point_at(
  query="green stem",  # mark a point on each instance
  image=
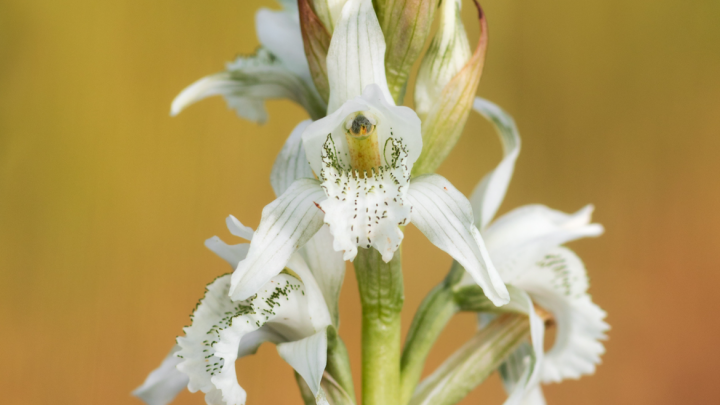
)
(381, 296)
(473, 362)
(433, 314)
(338, 363)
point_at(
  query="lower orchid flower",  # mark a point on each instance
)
(525, 246)
(289, 311)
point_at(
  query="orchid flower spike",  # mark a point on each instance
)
(363, 152)
(289, 311)
(543, 276)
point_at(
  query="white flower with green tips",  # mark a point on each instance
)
(363, 152)
(525, 246)
(278, 69)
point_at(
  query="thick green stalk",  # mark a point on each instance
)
(381, 296)
(433, 314)
(338, 363)
(473, 362)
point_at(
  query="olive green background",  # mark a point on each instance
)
(105, 200)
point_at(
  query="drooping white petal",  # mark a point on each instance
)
(558, 282)
(521, 372)
(356, 57)
(238, 229)
(248, 82)
(444, 215)
(164, 383)
(327, 266)
(490, 192)
(397, 122)
(291, 163)
(286, 224)
(366, 211)
(224, 330)
(279, 32)
(233, 254)
(519, 238)
(308, 357)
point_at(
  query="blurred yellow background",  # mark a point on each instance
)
(105, 200)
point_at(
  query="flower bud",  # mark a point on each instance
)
(446, 86)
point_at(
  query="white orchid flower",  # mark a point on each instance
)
(363, 152)
(278, 69)
(289, 310)
(313, 286)
(524, 245)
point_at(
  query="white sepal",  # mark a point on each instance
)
(444, 215)
(519, 238)
(490, 192)
(291, 163)
(356, 57)
(286, 224)
(233, 254)
(164, 383)
(308, 357)
(328, 268)
(558, 282)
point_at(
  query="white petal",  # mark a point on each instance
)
(489, 194)
(356, 57)
(281, 305)
(366, 211)
(559, 284)
(444, 215)
(314, 296)
(308, 357)
(291, 163)
(233, 254)
(400, 123)
(238, 229)
(279, 32)
(248, 82)
(222, 330)
(286, 224)
(519, 238)
(522, 370)
(327, 266)
(164, 383)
